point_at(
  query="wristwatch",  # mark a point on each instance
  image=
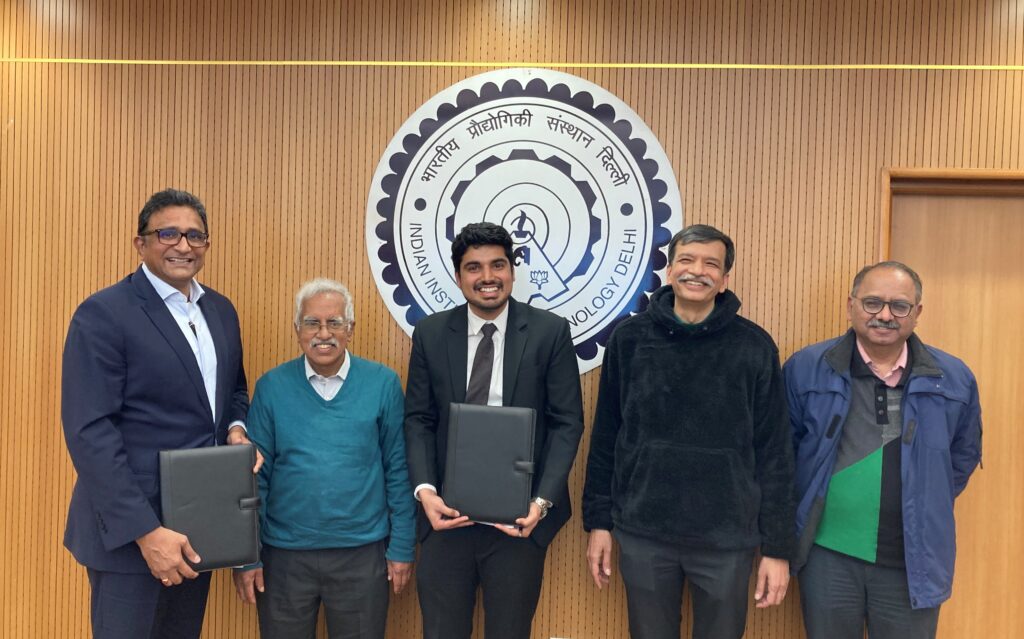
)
(544, 505)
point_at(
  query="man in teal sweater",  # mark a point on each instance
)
(337, 522)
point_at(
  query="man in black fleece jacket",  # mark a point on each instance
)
(690, 465)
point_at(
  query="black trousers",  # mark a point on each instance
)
(654, 573)
(137, 606)
(453, 563)
(351, 583)
(840, 594)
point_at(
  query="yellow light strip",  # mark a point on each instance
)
(518, 65)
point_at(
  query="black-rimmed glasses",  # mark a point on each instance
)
(334, 325)
(171, 237)
(874, 305)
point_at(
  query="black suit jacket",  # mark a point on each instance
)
(540, 372)
(130, 388)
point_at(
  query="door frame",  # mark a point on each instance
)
(941, 181)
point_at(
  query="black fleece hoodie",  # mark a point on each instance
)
(691, 441)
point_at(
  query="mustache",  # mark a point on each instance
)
(877, 323)
(703, 279)
(317, 342)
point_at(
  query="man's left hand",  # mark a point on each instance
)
(247, 583)
(236, 435)
(398, 574)
(772, 582)
(524, 525)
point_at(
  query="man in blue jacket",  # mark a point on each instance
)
(886, 432)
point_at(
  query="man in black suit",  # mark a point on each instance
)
(495, 351)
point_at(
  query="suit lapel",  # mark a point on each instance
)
(220, 344)
(458, 338)
(157, 311)
(515, 343)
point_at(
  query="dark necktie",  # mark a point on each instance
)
(480, 375)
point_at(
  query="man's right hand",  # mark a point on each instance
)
(247, 582)
(237, 436)
(599, 556)
(165, 551)
(440, 515)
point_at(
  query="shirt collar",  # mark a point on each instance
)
(476, 322)
(342, 373)
(901, 362)
(165, 290)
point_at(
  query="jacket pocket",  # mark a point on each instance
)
(690, 493)
(149, 484)
(933, 429)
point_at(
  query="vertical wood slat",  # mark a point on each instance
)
(788, 162)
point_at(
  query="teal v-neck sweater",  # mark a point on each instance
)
(334, 474)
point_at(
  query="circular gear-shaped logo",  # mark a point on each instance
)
(579, 181)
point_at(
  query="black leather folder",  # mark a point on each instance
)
(209, 494)
(489, 466)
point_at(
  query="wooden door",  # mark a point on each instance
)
(966, 240)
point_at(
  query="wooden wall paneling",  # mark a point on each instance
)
(787, 161)
(40, 344)
(14, 227)
(18, 400)
(12, 146)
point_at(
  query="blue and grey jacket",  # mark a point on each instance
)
(941, 447)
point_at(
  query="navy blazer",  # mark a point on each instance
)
(130, 388)
(539, 371)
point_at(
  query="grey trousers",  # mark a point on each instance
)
(654, 573)
(839, 594)
(351, 583)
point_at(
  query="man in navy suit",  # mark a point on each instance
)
(152, 363)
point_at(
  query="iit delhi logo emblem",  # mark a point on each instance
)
(579, 181)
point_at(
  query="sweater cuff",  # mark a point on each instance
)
(595, 522)
(777, 550)
(396, 555)
(248, 567)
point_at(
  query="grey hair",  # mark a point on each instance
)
(319, 286)
(893, 264)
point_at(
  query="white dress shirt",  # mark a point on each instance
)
(328, 387)
(190, 320)
(474, 336)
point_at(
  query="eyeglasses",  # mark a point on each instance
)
(873, 305)
(171, 237)
(334, 326)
